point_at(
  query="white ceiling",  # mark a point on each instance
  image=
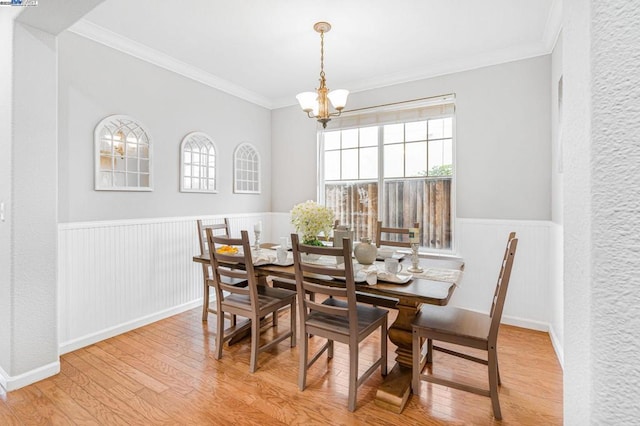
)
(266, 51)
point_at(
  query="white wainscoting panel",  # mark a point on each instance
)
(119, 275)
(481, 244)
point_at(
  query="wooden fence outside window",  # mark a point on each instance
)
(423, 200)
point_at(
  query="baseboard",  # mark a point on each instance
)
(557, 346)
(10, 383)
(90, 339)
(525, 323)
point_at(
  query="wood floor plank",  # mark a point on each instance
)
(166, 373)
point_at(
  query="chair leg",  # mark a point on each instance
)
(274, 319)
(205, 302)
(383, 347)
(493, 382)
(429, 351)
(292, 323)
(498, 370)
(255, 343)
(353, 376)
(219, 333)
(330, 349)
(303, 359)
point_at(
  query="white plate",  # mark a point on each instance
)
(398, 256)
(399, 278)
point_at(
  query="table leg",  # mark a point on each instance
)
(394, 391)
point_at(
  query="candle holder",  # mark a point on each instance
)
(415, 260)
(256, 245)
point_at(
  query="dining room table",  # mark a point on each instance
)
(403, 292)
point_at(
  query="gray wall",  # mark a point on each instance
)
(97, 81)
(503, 140)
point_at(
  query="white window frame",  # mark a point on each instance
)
(203, 141)
(246, 159)
(128, 130)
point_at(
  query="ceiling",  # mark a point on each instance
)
(267, 51)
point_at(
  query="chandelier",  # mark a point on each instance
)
(316, 104)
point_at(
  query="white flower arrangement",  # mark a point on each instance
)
(309, 219)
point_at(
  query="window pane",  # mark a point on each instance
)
(187, 183)
(355, 205)
(132, 179)
(394, 161)
(187, 157)
(143, 151)
(350, 138)
(369, 163)
(132, 165)
(106, 162)
(436, 129)
(393, 133)
(350, 164)
(440, 158)
(369, 136)
(416, 159)
(332, 140)
(416, 131)
(332, 165)
(118, 179)
(448, 127)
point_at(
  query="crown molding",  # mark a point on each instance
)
(111, 39)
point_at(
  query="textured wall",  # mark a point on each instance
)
(34, 220)
(503, 139)
(577, 213)
(6, 145)
(615, 209)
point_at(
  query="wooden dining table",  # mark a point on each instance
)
(433, 286)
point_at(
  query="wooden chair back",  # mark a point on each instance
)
(307, 304)
(399, 232)
(500, 293)
(238, 266)
(216, 227)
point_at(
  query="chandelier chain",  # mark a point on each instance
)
(322, 54)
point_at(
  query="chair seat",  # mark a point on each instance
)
(456, 322)
(267, 297)
(368, 316)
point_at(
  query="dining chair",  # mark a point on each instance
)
(231, 259)
(398, 241)
(334, 315)
(207, 273)
(464, 328)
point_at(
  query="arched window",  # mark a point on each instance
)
(122, 155)
(198, 163)
(246, 163)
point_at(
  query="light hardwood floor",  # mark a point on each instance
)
(165, 373)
